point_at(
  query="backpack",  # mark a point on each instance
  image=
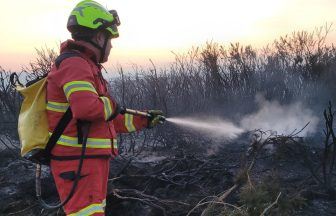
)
(36, 143)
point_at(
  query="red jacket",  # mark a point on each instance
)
(78, 82)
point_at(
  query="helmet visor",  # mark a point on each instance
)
(116, 20)
(112, 27)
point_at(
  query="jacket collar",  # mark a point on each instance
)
(82, 47)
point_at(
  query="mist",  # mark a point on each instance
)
(271, 116)
(282, 119)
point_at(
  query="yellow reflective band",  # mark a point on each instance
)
(75, 86)
(57, 107)
(107, 107)
(89, 210)
(91, 142)
(129, 123)
(115, 144)
(104, 203)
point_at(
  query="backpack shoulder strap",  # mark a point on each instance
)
(58, 131)
(58, 61)
(66, 55)
(66, 118)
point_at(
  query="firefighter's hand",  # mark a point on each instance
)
(117, 110)
(156, 117)
(121, 109)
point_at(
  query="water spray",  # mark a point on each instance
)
(214, 127)
(284, 119)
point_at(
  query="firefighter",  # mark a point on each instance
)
(77, 82)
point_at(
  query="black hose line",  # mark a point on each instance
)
(85, 130)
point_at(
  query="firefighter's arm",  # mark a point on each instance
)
(128, 123)
(77, 81)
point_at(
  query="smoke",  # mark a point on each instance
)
(271, 116)
(283, 119)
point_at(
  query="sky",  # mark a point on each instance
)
(152, 29)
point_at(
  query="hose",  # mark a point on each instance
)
(85, 129)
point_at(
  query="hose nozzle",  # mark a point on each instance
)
(151, 114)
(162, 119)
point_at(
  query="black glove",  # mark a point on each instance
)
(156, 117)
(118, 110)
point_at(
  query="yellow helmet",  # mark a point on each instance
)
(91, 16)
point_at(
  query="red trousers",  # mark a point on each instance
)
(90, 194)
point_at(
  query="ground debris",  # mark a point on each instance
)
(269, 174)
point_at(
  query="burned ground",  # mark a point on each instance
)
(239, 179)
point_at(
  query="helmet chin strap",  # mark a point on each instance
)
(104, 49)
(101, 49)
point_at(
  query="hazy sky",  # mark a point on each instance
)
(153, 28)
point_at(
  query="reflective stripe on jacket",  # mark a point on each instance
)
(78, 83)
(91, 142)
